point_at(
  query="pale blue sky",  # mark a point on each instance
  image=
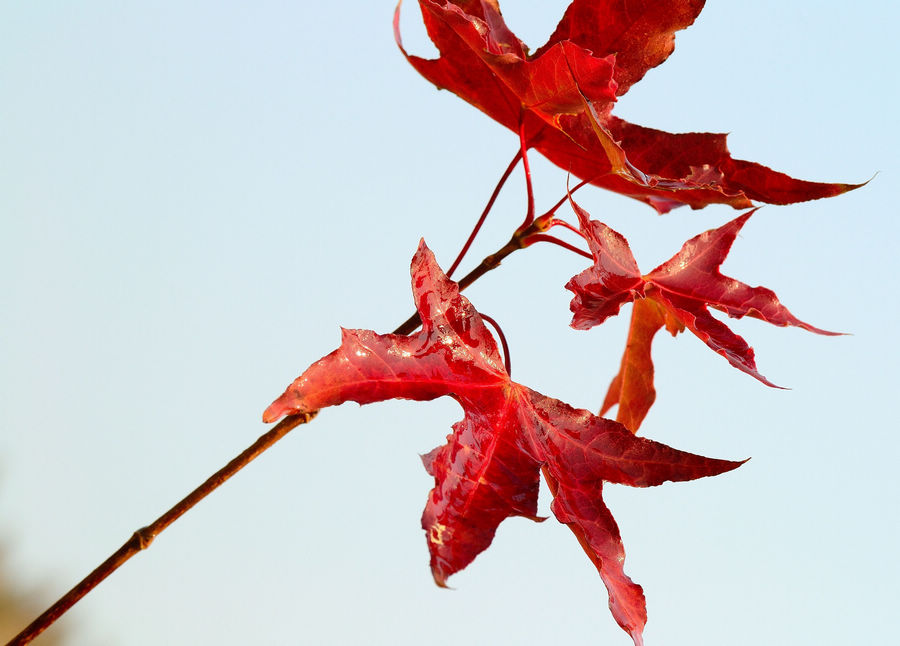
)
(195, 196)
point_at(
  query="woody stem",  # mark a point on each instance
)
(143, 537)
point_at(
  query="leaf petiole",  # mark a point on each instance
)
(523, 237)
(543, 237)
(506, 360)
(523, 151)
(484, 213)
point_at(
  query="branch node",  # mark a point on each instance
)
(143, 537)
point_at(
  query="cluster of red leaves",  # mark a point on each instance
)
(560, 99)
(489, 469)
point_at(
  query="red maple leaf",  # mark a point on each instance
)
(489, 468)
(681, 291)
(560, 99)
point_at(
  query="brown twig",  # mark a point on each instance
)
(143, 537)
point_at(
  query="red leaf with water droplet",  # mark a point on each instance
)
(562, 95)
(489, 468)
(684, 288)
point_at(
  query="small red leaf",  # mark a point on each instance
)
(684, 286)
(489, 468)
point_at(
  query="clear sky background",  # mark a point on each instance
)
(195, 196)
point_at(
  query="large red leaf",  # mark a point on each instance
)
(489, 468)
(561, 97)
(684, 287)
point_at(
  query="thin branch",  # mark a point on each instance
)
(143, 537)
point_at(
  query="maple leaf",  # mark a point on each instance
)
(560, 99)
(489, 468)
(681, 290)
